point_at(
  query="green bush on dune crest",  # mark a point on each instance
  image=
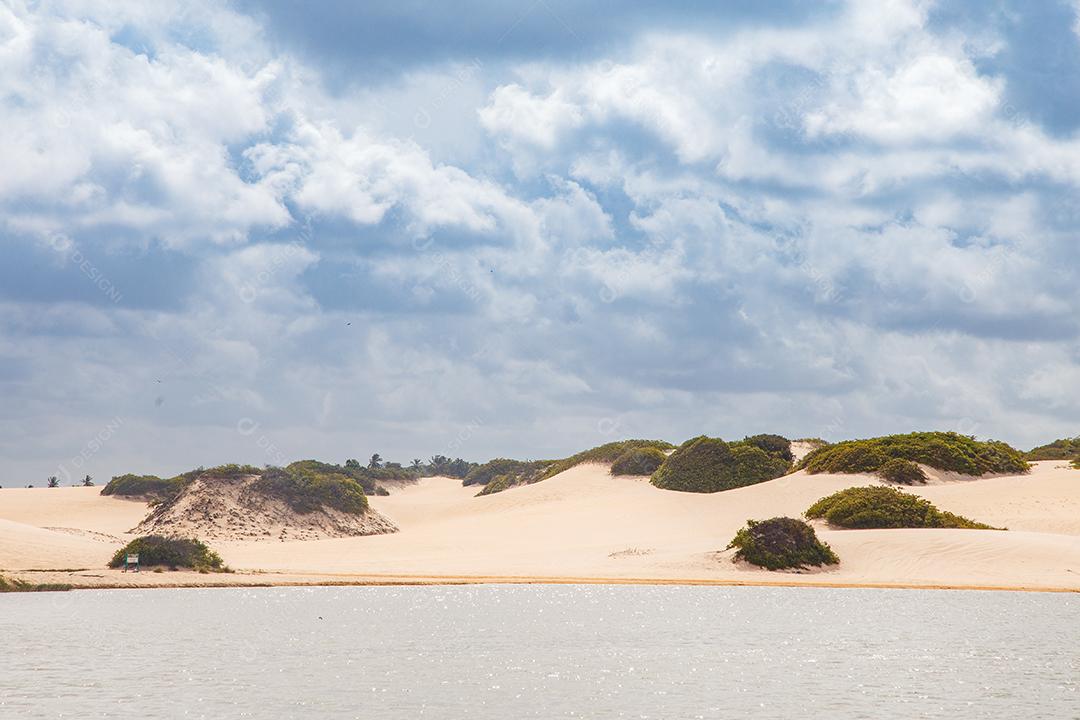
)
(1064, 449)
(776, 445)
(902, 472)
(520, 472)
(150, 487)
(708, 465)
(523, 472)
(781, 543)
(309, 485)
(171, 552)
(606, 453)
(497, 484)
(639, 461)
(876, 506)
(942, 450)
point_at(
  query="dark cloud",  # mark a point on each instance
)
(364, 43)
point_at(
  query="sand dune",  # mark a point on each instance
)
(586, 524)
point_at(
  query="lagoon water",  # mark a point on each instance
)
(499, 652)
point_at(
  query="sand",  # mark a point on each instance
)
(585, 526)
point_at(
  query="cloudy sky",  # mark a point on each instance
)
(267, 230)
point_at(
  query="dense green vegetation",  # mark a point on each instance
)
(903, 472)
(942, 450)
(308, 485)
(171, 552)
(497, 484)
(517, 472)
(781, 543)
(708, 465)
(144, 486)
(442, 466)
(639, 461)
(322, 481)
(1064, 449)
(606, 453)
(877, 506)
(9, 586)
(775, 445)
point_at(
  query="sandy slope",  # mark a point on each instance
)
(586, 524)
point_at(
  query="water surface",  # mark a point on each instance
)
(499, 652)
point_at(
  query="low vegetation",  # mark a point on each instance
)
(150, 487)
(309, 485)
(606, 453)
(775, 445)
(942, 450)
(322, 482)
(781, 543)
(174, 553)
(877, 506)
(1064, 449)
(10, 586)
(497, 484)
(902, 472)
(515, 472)
(708, 465)
(639, 461)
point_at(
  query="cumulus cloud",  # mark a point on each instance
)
(832, 223)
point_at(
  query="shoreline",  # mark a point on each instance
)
(257, 579)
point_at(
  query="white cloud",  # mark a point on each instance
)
(515, 113)
(931, 97)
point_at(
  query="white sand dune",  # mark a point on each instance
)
(585, 524)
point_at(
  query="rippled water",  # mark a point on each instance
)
(539, 652)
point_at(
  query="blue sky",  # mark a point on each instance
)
(262, 231)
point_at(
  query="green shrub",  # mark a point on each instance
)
(753, 465)
(639, 461)
(156, 550)
(708, 465)
(497, 484)
(876, 506)
(1076, 463)
(775, 445)
(606, 453)
(521, 471)
(231, 470)
(1064, 449)
(150, 487)
(903, 472)
(944, 451)
(309, 485)
(781, 543)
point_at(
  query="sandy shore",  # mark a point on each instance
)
(585, 526)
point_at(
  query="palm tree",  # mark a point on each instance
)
(417, 463)
(54, 482)
(376, 462)
(88, 481)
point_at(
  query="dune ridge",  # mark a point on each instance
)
(227, 508)
(585, 524)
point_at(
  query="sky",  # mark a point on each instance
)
(261, 231)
